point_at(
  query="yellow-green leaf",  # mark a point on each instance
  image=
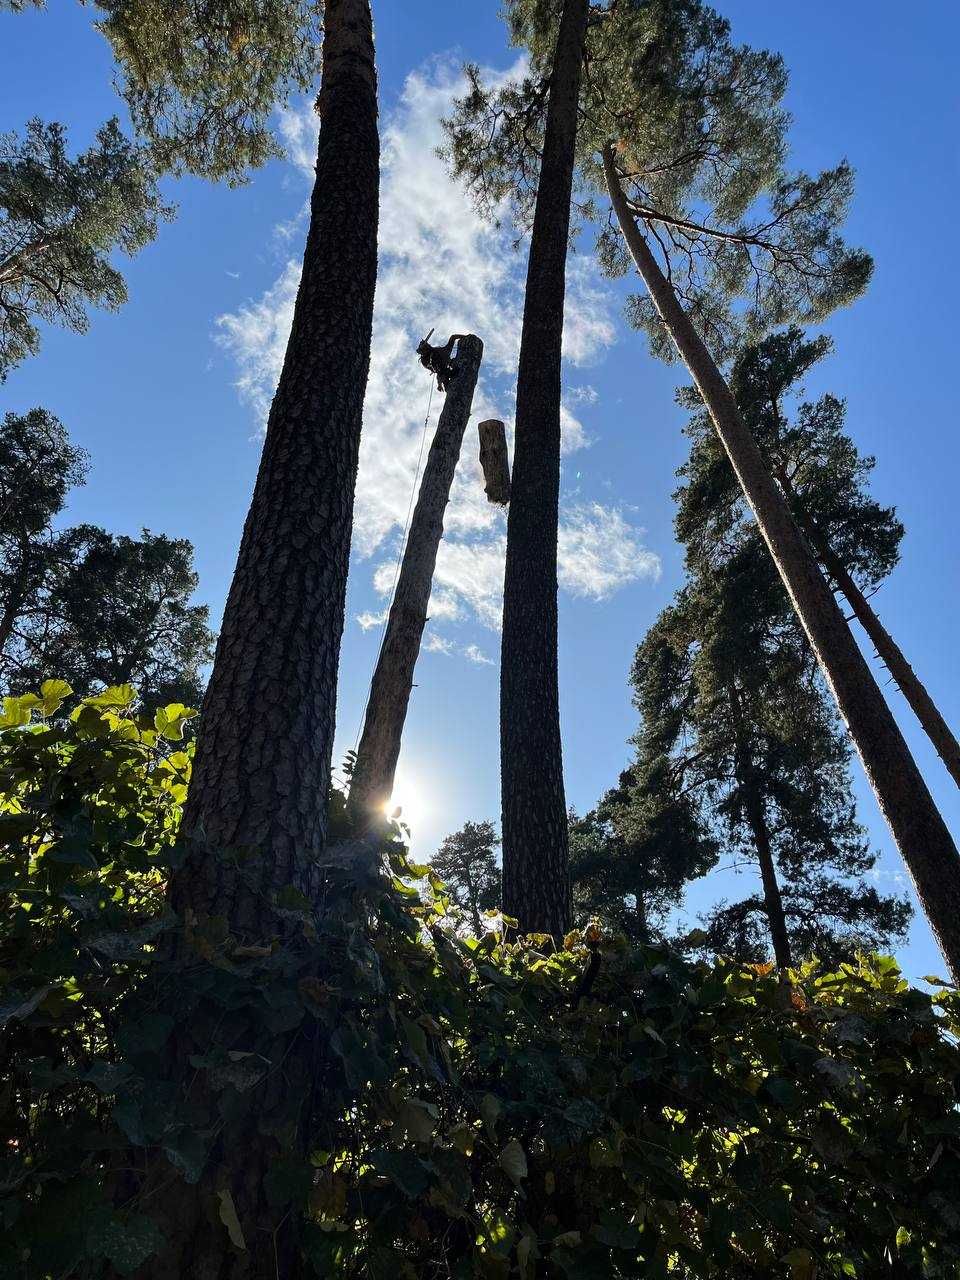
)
(229, 1218)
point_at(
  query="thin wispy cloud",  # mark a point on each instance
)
(443, 267)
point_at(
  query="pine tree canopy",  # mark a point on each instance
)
(60, 219)
(700, 138)
(735, 717)
(815, 461)
(201, 80)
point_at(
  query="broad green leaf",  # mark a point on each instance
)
(513, 1161)
(169, 720)
(125, 1242)
(229, 1218)
(120, 695)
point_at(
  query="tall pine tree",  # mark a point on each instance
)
(684, 133)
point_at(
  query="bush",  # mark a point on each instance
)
(488, 1107)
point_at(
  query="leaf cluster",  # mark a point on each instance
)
(700, 138)
(201, 79)
(486, 1112)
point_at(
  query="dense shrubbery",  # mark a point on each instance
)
(488, 1108)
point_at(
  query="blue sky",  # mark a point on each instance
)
(168, 394)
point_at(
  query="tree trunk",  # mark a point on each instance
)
(755, 811)
(376, 762)
(912, 688)
(917, 826)
(262, 766)
(536, 884)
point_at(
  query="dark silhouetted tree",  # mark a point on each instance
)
(467, 864)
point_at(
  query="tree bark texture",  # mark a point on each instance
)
(263, 753)
(494, 461)
(917, 826)
(536, 885)
(890, 653)
(263, 757)
(379, 749)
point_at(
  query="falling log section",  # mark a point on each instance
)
(379, 749)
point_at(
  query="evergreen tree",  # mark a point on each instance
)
(60, 219)
(467, 864)
(820, 472)
(684, 133)
(38, 467)
(728, 690)
(80, 604)
(116, 610)
(632, 856)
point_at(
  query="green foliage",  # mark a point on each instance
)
(82, 603)
(814, 460)
(467, 864)
(201, 80)
(59, 221)
(700, 138)
(486, 1111)
(632, 856)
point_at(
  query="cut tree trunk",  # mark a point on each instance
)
(262, 768)
(910, 685)
(376, 763)
(905, 801)
(536, 884)
(494, 461)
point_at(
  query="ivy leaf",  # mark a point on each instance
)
(288, 1182)
(169, 720)
(802, 1264)
(490, 1110)
(416, 1039)
(404, 1169)
(229, 1218)
(513, 1161)
(125, 1242)
(20, 1007)
(52, 694)
(527, 1252)
(120, 695)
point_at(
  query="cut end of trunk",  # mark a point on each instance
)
(494, 461)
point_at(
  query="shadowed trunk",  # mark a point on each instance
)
(911, 686)
(917, 826)
(376, 762)
(536, 886)
(263, 755)
(755, 812)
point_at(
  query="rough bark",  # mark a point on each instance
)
(379, 749)
(914, 820)
(536, 887)
(910, 684)
(494, 461)
(263, 756)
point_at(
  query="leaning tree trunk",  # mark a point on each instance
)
(911, 686)
(376, 763)
(917, 826)
(262, 767)
(536, 886)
